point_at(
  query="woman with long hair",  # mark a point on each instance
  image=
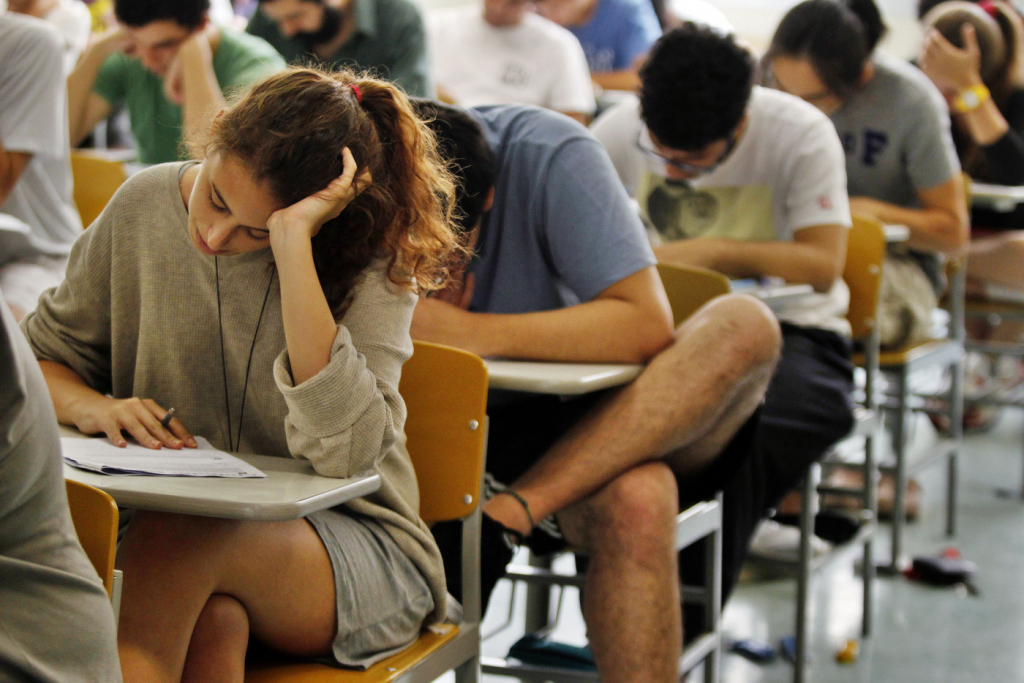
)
(265, 293)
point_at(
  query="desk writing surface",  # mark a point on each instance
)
(775, 295)
(567, 379)
(894, 232)
(291, 490)
(1002, 198)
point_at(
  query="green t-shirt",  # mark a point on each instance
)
(156, 122)
(389, 40)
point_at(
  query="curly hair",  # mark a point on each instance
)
(837, 37)
(695, 87)
(290, 129)
(137, 13)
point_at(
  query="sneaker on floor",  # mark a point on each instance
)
(774, 541)
(497, 546)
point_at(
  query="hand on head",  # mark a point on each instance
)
(950, 68)
(306, 216)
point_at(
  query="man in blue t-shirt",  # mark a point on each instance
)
(615, 35)
(563, 272)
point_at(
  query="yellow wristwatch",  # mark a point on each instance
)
(971, 98)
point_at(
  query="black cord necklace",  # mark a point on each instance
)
(233, 445)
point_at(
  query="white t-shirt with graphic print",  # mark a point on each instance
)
(787, 173)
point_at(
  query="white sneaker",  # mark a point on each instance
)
(781, 542)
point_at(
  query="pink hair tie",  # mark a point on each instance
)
(357, 92)
(989, 7)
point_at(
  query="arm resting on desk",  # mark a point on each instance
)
(815, 256)
(939, 225)
(627, 323)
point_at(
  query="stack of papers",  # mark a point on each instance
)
(100, 455)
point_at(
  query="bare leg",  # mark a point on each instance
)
(997, 260)
(219, 641)
(688, 402)
(683, 410)
(632, 589)
(279, 572)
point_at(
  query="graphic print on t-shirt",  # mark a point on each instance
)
(681, 211)
(874, 142)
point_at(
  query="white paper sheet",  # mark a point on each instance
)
(99, 455)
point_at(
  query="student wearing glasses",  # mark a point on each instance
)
(751, 183)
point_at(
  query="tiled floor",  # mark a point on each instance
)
(921, 633)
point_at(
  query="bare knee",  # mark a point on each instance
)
(220, 638)
(635, 512)
(750, 331)
(223, 620)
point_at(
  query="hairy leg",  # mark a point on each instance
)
(628, 527)
(220, 638)
(686, 405)
(279, 572)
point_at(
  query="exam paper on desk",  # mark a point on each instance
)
(99, 455)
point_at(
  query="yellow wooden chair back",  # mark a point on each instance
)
(689, 287)
(445, 393)
(94, 514)
(96, 180)
(865, 253)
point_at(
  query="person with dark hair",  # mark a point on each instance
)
(563, 272)
(615, 35)
(901, 165)
(749, 182)
(170, 66)
(265, 293)
(386, 37)
(973, 53)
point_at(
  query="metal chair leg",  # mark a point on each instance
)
(808, 509)
(899, 510)
(871, 504)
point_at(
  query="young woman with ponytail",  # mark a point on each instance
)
(901, 165)
(265, 293)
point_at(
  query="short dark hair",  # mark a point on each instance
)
(462, 144)
(138, 13)
(837, 37)
(695, 87)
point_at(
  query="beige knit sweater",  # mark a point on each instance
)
(137, 316)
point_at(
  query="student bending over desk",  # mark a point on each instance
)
(749, 182)
(901, 165)
(973, 54)
(565, 274)
(266, 294)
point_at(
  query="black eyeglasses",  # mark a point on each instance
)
(693, 169)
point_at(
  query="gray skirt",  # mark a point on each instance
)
(382, 599)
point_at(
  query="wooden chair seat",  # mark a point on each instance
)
(384, 671)
(906, 355)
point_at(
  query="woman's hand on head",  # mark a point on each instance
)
(138, 417)
(303, 219)
(950, 68)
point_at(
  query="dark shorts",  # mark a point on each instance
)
(521, 433)
(807, 408)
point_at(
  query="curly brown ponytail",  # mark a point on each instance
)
(289, 130)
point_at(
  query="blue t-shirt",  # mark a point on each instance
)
(561, 229)
(618, 33)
